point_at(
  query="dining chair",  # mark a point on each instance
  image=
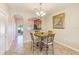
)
(34, 43)
(50, 42)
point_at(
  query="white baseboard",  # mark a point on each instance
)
(67, 46)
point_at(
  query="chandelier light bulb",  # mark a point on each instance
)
(41, 13)
(37, 13)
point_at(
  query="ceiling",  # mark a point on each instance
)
(31, 7)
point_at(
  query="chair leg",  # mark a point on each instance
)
(47, 50)
(47, 47)
(33, 49)
(52, 49)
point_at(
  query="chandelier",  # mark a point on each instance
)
(40, 12)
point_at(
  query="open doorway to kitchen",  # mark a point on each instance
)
(19, 31)
(20, 35)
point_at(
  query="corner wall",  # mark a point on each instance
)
(70, 35)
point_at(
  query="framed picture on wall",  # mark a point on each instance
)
(58, 21)
(37, 24)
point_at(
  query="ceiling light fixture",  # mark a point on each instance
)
(40, 12)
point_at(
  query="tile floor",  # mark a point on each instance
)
(26, 50)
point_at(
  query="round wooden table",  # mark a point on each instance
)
(42, 36)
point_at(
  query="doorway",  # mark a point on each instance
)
(20, 35)
(19, 31)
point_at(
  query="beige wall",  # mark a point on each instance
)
(70, 35)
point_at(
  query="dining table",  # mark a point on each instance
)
(41, 37)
